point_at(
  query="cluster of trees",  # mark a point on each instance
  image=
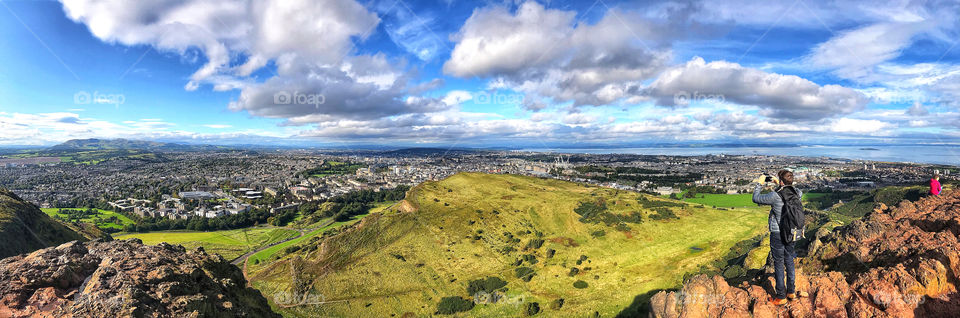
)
(346, 206)
(198, 223)
(331, 168)
(617, 170)
(693, 191)
(635, 175)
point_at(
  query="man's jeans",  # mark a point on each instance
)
(780, 254)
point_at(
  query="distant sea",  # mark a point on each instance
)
(948, 154)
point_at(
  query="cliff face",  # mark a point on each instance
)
(24, 228)
(895, 262)
(125, 279)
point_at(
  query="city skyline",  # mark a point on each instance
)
(479, 73)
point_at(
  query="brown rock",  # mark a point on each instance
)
(122, 279)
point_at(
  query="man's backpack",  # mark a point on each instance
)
(791, 217)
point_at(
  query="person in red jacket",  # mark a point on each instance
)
(935, 186)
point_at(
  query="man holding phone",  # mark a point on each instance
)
(782, 250)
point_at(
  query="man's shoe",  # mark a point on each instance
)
(778, 301)
(792, 296)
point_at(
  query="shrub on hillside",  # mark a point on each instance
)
(530, 309)
(453, 304)
(550, 252)
(487, 285)
(534, 244)
(663, 214)
(530, 259)
(573, 272)
(580, 284)
(598, 233)
(524, 273)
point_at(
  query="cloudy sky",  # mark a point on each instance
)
(482, 73)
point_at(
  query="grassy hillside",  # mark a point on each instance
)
(861, 204)
(268, 254)
(571, 249)
(24, 228)
(230, 243)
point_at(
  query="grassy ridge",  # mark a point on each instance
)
(229, 244)
(472, 225)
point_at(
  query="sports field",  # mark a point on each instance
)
(101, 220)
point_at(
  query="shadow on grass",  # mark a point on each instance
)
(640, 307)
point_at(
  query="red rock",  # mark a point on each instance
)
(902, 262)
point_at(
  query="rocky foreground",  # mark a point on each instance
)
(125, 279)
(895, 262)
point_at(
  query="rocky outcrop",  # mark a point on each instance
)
(895, 262)
(125, 279)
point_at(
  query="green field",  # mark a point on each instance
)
(99, 220)
(738, 200)
(723, 200)
(471, 226)
(230, 243)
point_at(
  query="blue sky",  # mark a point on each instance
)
(482, 73)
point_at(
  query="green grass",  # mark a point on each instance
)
(740, 199)
(723, 200)
(445, 243)
(230, 243)
(261, 258)
(98, 220)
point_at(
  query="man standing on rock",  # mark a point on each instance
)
(783, 252)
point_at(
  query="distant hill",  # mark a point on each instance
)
(428, 152)
(505, 246)
(24, 228)
(125, 144)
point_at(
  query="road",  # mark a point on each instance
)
(303, 232)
